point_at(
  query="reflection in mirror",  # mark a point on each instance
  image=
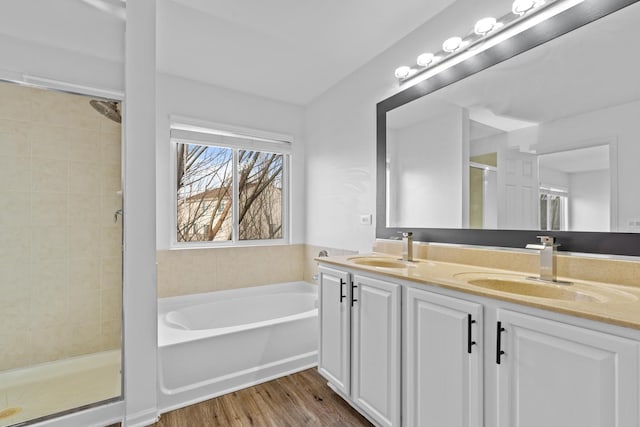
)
(547, 140)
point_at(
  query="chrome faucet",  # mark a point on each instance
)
(407, 245)
(547, 248)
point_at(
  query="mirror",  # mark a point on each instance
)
(544, 141)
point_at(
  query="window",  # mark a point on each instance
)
(229, 188)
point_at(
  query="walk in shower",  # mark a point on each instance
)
(60, 253)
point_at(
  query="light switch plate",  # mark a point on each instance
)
(365, 219)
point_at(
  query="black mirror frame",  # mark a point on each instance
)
(584, 242)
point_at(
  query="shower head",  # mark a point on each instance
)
(110, 109)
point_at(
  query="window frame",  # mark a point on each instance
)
(235, 138)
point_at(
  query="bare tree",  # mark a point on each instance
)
(205, 193)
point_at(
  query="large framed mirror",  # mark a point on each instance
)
(537, 135)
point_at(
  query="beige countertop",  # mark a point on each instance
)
(603, 302)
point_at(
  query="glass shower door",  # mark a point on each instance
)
(60, 253)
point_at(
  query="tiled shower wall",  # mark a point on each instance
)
(60, 251)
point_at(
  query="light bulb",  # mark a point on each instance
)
(403, 72)
(425, 59)
(485, 25)
(452, 44)
(520, 7)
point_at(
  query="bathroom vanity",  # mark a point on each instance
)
(441, 344)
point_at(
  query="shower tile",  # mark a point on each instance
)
(84, 274)
(15, 208)
(14, 277)
(110, 304)
(48, 208)
(15, 173)
(110, 147)
(84, 241)
(84, 177)
(14, 307)
(16, 102)
(84, 208)
(52, 147)
(110, 272)
(111, 240)
(49, 274)
(49, 242)
(15, 245)
(109, 126)
(110, 179)
(48, 307)
(84, 306)
(66, 110)
(80, 114)
(15, 355)
(111, 334)
(49, 142)
(84, 145)
(49, 175)
(14, 138)
(50, 342)
(109, 204)
(86, 338)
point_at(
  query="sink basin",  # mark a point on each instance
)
(522, 286)
(380, 262)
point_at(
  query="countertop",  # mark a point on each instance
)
(603, 302)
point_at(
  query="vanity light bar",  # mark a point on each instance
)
(487, 32)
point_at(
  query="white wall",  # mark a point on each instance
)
(341, 133)
(589, 201)
(187, 98)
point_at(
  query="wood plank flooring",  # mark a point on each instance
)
(299, 400)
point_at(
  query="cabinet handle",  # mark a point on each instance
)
(353, 293)
(499, 351)
(342, 283)
(470, 342)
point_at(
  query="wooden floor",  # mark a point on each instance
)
(298, 400)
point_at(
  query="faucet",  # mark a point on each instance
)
(407, 245)
(547, 248)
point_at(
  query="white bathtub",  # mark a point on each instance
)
(212, 344)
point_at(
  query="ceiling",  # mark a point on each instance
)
(288, 50)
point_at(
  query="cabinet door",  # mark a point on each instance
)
(557, 375)
(376, 349)
(444, 361)
(335, 325)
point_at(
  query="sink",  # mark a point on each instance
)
(520, 285)
(381, 262)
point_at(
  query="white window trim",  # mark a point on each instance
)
(205, 133)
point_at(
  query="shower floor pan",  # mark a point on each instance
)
(49, 388)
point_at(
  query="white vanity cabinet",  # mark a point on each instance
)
(555, 375)
(375, 347)
(471, 361)
(334, 356)
(360, 342)
(444, 344)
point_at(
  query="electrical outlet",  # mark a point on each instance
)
(365, 219)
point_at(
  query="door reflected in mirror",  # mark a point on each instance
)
(547, 140)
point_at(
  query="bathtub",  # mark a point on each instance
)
(214, 343)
